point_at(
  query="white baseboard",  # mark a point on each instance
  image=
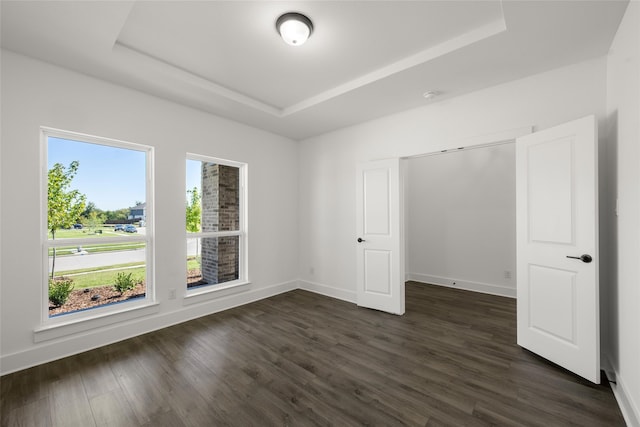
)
(74, 344)
(67, 346)
(628, 407)
(329, 291)
(485, 288)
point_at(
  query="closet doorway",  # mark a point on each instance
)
(460, 218)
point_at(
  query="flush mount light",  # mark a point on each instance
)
(294, 28)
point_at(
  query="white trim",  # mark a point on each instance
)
(207, 292)
(205, 234)
(119, 312)
(507, 136)
(485, 288)
(629, 408)
(44, 225)
(150, 226)
(216, 160)
(50, 351)
(167, 74)
(92, 139)
(329, 291)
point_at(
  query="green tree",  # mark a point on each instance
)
(94, 219)
(91, 207)
(194, 214)
(119, 215)
(64, 205)
(194, 211)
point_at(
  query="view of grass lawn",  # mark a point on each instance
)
(192, 263)
(87, 270)
(92, 277)
(102, 231)
(98, 232)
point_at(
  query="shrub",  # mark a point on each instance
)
(124, 282)
(59, 290)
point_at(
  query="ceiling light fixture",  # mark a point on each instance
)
(294, 28)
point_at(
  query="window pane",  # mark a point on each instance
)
(96, 195)
(212, 260)
(194, 263)
(213, 197)
(97, 275)
(90, 185)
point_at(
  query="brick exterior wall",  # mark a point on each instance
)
(220, 212)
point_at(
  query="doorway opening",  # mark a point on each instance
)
(460, 218)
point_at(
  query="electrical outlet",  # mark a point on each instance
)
(311, 270)
(172, 294)
(507, 274)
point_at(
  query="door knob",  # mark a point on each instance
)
(584, 258)
(360, 240)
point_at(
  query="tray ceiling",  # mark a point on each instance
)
(364, 59)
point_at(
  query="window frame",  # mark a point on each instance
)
(242, 232)
(90, 315)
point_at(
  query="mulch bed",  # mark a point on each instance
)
(81, 299)
(194, 278)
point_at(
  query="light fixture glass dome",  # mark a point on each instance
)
(294, 28)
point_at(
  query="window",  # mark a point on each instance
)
(216, 223)
(97, 230)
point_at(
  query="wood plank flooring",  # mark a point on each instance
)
(301, 359)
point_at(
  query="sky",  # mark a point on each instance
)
(194, 171)
(112, 178)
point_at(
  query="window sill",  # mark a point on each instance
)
(214, 291)
(72, 326)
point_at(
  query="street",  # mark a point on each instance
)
(102, 259)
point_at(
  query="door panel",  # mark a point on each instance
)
(380, 272)
(552, 302)
(556, 210)
(377, 202)
(550, 191)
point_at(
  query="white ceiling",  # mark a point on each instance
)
(365, 59)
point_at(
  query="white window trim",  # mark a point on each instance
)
(243, 250)
(83, 320)
(128, 311)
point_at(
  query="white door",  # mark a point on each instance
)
(380, 262)
(557, 245)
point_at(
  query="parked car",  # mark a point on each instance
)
(77, 226)
(130, 228)
(118, 227)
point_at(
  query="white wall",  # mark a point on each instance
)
(36, 94)
(327, 163)
(461, 219)
(623, 154)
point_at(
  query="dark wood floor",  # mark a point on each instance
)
(302, 359)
